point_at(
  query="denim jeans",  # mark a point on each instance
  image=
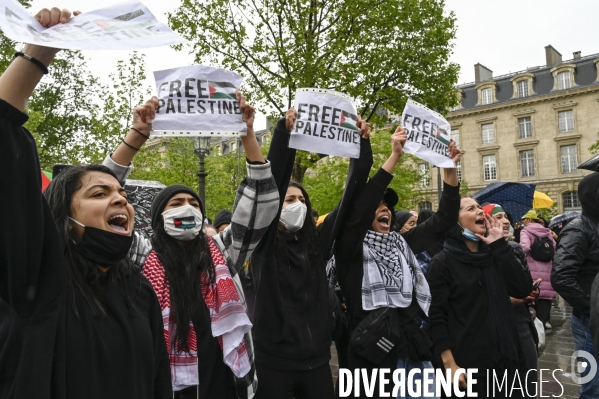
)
(581, 329)
(421, 365)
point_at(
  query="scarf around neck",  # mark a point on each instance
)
(503, 329)
(391, 273)
(228, 320)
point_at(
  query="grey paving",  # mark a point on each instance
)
(554, 357)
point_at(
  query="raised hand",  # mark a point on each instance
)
(494, 230)
(248, 111)
(364, 128)
(290, 118)
(398, 140)
(48, 18)
(454, 152)
(144, 115)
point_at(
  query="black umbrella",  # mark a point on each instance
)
(561, 218)
(592, 164)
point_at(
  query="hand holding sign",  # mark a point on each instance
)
(364, 128)
(398, 140)
(454, 152)
(248, 111)
(290, 118)
(143, 116)
(48, 19)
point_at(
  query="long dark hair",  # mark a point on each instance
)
(307, 234)
(184, 264)
(83, 276)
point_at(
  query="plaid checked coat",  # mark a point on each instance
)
(256, 205)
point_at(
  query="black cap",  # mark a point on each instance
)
(390, 198)
(223, 217)
(166, 194)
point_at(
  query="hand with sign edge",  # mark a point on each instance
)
(290, 118)
(143, 116)
(22, 76)
(253, 153)
(454, 152)
(48, 18)
(364, 128)
(398, 139)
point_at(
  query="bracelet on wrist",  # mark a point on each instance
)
(129, 145)
(34, 60)
(146, 136)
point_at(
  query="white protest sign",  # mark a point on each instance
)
(124, 26)
(428, 134)
(326, 123)
(198, 100)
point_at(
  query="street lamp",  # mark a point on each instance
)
(439, 189)
(202, 148)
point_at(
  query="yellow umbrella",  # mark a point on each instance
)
(541, 201)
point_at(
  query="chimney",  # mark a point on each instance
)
(577, 55)
(482, 73)
(552, 56)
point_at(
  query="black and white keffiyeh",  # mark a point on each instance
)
(391, 273)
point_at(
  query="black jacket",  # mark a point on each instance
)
(459, 318)
(293, 322)
(576, 264)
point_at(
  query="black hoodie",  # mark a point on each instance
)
(293, 322)
(576, 260)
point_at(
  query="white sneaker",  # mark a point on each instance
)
(547, 326)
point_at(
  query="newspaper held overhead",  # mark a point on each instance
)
(326, 123)
(124, 26)
(198, 100)
(428, 134)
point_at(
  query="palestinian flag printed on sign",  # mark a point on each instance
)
(349, 121)
(222, 90)
(441, 135)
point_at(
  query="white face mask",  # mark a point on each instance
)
(293, 216)
(183, 223)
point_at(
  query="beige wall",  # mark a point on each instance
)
(545, 141)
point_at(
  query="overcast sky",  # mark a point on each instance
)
(504, 35)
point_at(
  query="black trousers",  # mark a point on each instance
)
(544, 310)
(284, 384)
(529, 361)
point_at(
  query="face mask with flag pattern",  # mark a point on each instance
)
(183, 223)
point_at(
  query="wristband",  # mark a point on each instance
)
(129, 145)
(34, 60)
(147, 137)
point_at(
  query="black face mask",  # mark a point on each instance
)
(103, 247)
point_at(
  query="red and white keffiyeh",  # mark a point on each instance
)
(229, 322)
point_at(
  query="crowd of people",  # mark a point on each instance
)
(249, 306)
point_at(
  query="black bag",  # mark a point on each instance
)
(376, 335)
(542, 249)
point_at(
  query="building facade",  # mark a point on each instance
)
(532, 126)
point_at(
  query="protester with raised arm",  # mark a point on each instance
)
(293, 321)
(380, 276)
(196, 276)
(471, 283)
(77, 320)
